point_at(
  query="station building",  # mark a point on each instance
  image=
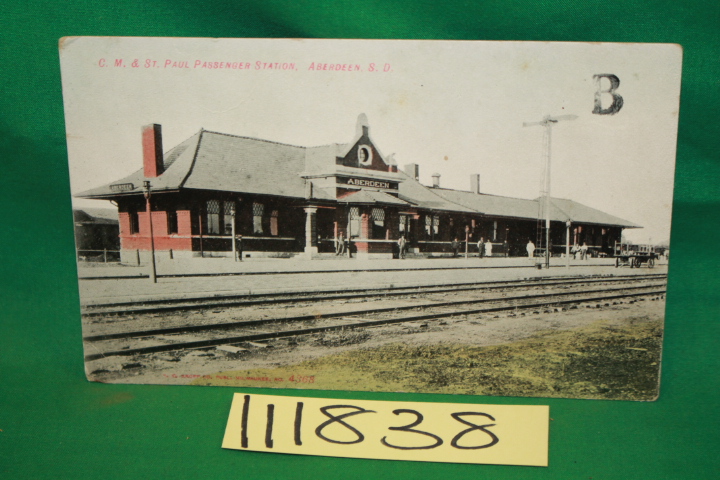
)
(286, 200)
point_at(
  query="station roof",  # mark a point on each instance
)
(220, 162)
(217, 161)
(98, 216)
(561, 210)
(371, 197)
(414, 192)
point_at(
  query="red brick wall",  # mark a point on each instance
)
(163, 241)
(124, 219)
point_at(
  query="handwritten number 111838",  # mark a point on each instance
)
(341, 414)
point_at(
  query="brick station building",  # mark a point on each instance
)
(288, 200)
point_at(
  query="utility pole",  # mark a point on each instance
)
(148, 210)
(467, 240)
(232, 231)
(548, 122)
(567, 244)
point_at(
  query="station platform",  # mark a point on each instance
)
(209, 277)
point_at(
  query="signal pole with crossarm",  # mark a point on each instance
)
(548, 122)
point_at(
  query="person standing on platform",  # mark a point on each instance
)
(481, 247)
(340, 245)
(583, 251)
(239, 247)
(488, 249)
(530, 247)
(402, 246)
(455, 245)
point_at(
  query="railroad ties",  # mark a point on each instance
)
(414, 306)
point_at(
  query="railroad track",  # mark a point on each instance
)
(210, 335)
(173, 305)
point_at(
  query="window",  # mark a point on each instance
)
(228, 214)
(378, 223)
(432, 225)
(258, 211)
(134, 222)
(172, 225)
(354, 222)
(403, 224)
(274, 223)
(213, 217)
(364, 155)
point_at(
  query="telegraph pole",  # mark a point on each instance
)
(548, 122)
(153, 272)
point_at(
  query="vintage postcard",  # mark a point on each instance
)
(484, 218)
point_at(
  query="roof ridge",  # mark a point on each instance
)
(194, 159)
(252, 138)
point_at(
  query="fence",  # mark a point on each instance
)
(104, 256)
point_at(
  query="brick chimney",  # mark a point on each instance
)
(475, 183)
(152, 150)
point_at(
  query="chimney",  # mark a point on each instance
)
(413, 171)
(392, 165)
(475, 183)
(152, 150)
(436, 180)
(362, 127)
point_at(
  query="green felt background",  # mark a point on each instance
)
(54, 424)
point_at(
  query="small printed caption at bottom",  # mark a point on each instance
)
(415, 431)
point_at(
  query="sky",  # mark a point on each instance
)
(455, 108)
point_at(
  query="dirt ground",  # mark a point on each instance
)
(607, 351)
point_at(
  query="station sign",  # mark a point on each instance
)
(367, 182)
(122, 187)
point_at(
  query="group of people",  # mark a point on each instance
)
(576, 250)
(582, 251)
(484, 248)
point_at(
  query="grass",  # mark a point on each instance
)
(598, 361)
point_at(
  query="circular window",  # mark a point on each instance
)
(364, 155)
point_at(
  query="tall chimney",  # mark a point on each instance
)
(362, 126)
(152, 150)
(413, 171)
(436, 180)
(475, 183)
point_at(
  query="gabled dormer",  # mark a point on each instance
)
(362, 152)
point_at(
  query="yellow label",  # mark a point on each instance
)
(424, 432)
